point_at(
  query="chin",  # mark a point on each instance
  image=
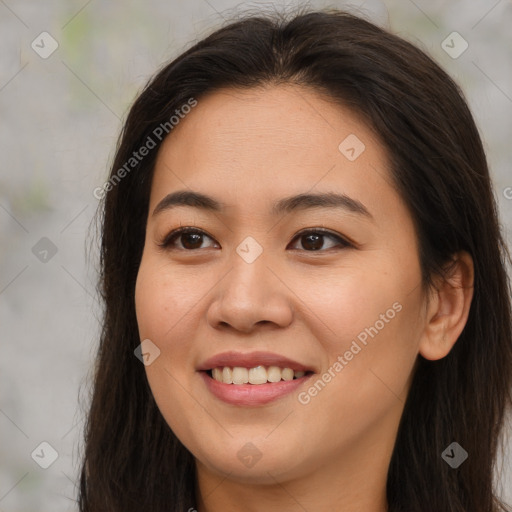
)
(249, 465)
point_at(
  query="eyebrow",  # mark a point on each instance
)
(286, 205)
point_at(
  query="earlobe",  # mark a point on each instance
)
(448, 308)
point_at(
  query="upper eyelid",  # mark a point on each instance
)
(184, 229)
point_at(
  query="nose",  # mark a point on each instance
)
(251, 295)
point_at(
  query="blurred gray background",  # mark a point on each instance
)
(69, 71)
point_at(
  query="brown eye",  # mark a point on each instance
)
(190, 239)
(313, 240)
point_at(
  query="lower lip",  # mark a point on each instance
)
(251, 394)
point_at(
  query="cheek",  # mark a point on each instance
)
(159, 308)
(165, 299)
(370, 360)
(370, 321)
(346, 303)
(164, 308)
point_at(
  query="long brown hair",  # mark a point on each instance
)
(132, 460)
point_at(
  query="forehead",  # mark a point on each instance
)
(248, 146)
(273, 118)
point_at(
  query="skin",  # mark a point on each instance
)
(247, 149)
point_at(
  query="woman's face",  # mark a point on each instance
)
(344, 305)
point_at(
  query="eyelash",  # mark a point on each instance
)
(167, 241)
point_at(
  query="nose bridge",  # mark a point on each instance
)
(248, 281)
(250, 293)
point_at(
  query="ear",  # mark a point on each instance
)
(448, 308)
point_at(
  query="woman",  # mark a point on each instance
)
(306, 301)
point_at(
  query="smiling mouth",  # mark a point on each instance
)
(257, 375)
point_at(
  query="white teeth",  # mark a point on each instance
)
(227, 375)
(274, 374)
(256, 375)
(287, 374)
(240, 375)
(217, 373)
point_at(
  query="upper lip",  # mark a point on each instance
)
(251, 360)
